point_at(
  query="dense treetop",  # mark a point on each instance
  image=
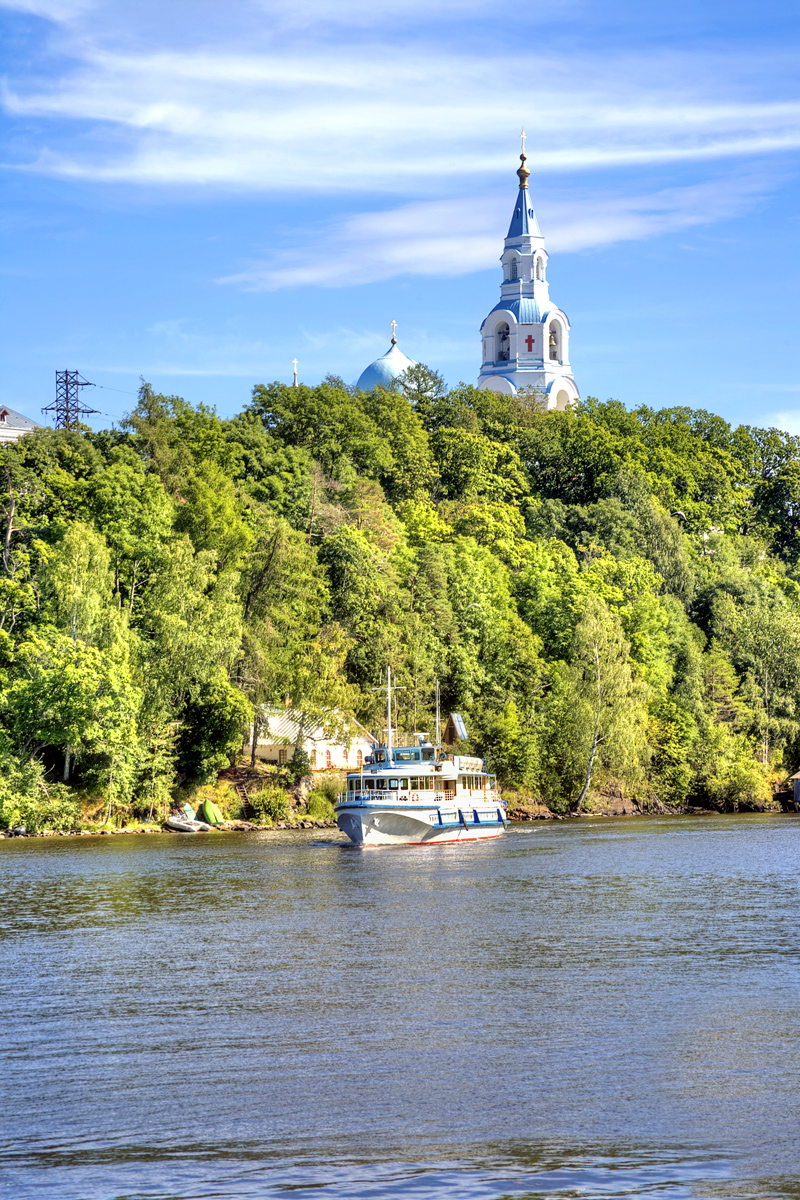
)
(600, 592)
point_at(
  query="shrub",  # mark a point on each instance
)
(319, 805)
(298, 765)
(329, 787)
(24, 799)
(58, 810)
(270, 804)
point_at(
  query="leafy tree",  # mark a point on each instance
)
(212, 729)
(600, 715)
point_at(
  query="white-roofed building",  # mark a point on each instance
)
(13, 425)
(278, 736)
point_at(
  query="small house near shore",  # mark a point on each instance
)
(279, 733)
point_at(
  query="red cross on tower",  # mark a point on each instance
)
(529, 340)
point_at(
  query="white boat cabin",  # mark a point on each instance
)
(421, 774)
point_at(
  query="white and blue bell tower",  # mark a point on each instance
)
(526, 337)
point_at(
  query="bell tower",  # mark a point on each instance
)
(526, 337)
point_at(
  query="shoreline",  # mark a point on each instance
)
(228, 827)
(310, 825)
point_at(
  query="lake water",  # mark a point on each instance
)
(587, 1008)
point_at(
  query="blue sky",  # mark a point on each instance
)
(199, 192)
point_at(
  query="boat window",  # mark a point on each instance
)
(427, 754)
(404, 785)
(369, 784)
(351, 785)
(462, 781)
(380, 756)
(394, 784)
(406, 756)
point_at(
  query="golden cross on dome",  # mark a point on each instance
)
(394, 331)
(523, 172)
(294, 364)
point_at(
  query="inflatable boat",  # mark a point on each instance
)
(184, 825)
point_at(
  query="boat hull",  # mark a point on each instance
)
(404, 827)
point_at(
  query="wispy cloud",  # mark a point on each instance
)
(787, 420)
(358, 116)
(447, 237)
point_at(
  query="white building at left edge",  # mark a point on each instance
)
(13, 425)
(278, 736)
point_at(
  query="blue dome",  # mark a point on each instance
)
(384, 370)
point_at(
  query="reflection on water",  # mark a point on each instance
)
(603, 1009)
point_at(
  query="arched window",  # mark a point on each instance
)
(359, 759)
(503, 342)
(555, 343)
(513, 268)
(540, 268)
(327, 758)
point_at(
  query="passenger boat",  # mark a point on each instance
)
(419, 794)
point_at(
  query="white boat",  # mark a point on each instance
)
(420, 795)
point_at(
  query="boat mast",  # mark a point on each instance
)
(389, 709)
(438, 741)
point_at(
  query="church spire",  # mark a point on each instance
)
(523, 222)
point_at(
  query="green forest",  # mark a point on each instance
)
(609, 597)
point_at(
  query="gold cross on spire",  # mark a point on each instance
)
(394, 330)
(294, 364)
(523, 172)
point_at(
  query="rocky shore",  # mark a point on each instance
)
(227, 827)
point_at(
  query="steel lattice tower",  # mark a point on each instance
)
(67, 405)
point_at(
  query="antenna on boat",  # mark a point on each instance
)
(389, 710)
(389, 706)
(438, 739)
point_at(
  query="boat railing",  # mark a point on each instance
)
(394, 795)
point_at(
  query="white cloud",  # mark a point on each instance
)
(54, 10)
(445, 237)
(788, 420)
(355, 116)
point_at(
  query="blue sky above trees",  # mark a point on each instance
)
(198, 193)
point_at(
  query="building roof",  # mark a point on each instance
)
(283, 723)
(16, 420)
(523, 220)
(525, 309)
(385, 369)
